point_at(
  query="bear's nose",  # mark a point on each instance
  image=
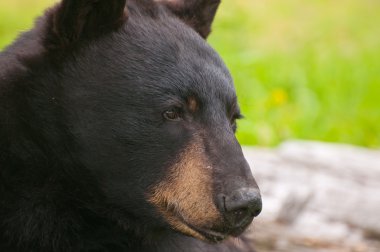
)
(241, 206)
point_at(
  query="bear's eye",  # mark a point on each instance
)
(235, 117)
(172, 115)
(234, 125)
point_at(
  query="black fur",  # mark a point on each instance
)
(82, 135)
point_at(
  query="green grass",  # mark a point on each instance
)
(17, 16)
(302, 69)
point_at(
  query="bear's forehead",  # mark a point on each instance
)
(158, 55)
(181, 59)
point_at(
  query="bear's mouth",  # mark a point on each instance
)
(208, 234)
(205, 234)
(179, 223)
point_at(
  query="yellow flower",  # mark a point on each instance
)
(279, 96)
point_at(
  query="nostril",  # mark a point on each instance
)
(242, 205)
(221, 202)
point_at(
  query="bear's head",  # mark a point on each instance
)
(152, 110)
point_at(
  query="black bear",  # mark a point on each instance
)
(117, 125)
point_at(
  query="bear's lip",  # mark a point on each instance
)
(205, 234)
(216, 236)
(202, 233)
(208, 234)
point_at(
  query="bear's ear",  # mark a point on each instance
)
(199, 14)
(73, 20)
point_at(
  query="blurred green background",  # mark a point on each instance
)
(302, 69)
